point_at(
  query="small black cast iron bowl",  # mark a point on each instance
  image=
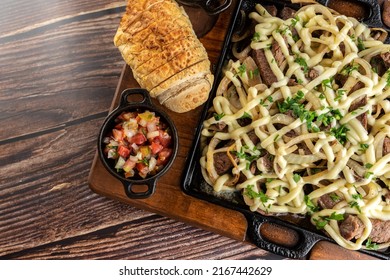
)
(108, 125)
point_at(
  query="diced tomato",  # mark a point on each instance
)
(123, 151)
(139, 143)
(129, 165)
(156, 147)
(142, 169)
(138, 139)
(117, 134)
(164, 156)
(127, 115)
(164, 138)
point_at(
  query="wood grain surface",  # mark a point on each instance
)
(58, 77)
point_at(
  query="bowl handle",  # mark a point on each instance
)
(135, 91)
(151, 184)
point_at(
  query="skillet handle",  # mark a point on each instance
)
(300, 250)
(131, 193)
(212, 7)
(374, 18)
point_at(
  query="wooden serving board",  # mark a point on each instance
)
(169, 200)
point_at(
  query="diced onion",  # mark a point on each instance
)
(114, 143)
(151, 135)
(151, 126)
(130, 133)
(142, 122)
(135, 147)
(152, 163)
(134, 158)
(111, 153)
(119, 164)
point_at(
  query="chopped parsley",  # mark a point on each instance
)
(218, 117)
(336, 217)
(348, 69)
(340, 133)
(256, 37)
(252, 195)
(357, 196)
(241, 70)
(371, 245)
(294, 21)
(253, 73)
(292, 104)
(296, 177)
(299, 111)
(327, 118)
(282, 31)
(243, 155)
(295, 37)
(367, 175)
(309, 203)
(339, 94)
(302, 62)
(368, 165)
(320, 224)
(246, 116)
(360, 44)
(363, 147)
(334, 197)
(388, 77)
(144, 161)
(323, 221)
(355, 204)
(327, 83)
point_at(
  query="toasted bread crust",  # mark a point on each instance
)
(148, 76)
(188, 75)
(156, 39)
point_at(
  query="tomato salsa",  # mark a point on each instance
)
(140, 144)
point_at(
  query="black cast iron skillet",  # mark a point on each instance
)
(374, 15)
(194, 184)
(141, 106)
(212, 7)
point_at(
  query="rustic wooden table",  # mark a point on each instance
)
(59, 74)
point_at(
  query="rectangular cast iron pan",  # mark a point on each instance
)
(194, 184)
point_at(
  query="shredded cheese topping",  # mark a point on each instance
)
(320, 129)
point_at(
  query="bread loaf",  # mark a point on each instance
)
(156, 39)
